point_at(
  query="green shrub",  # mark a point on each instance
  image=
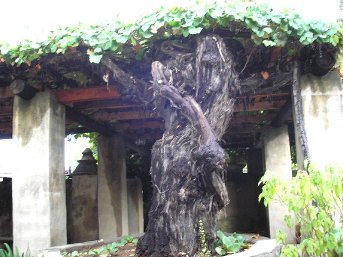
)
(228, 244)
(315, 202)
(7, 252)
(102, 250)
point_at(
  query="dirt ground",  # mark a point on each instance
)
(126, 251)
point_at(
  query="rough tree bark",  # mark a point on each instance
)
(196, 99)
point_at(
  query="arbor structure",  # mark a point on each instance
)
(204, 64)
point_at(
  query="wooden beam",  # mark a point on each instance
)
(239, 106)
(87, 122)
(6, 92)
(284, 114)
(78, 130)
(129, 115)
(85, 94)
(6, 126)
(118, 103)
(106, 104)
(259, 97)
(154, 124)
(244, 143)
(240, 130)
(252, 118)
(90, 125)
(6, 111)
(259, 106)
(122, 125)
(137, 115)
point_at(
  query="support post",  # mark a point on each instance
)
(135, 206)
(322, 101)
(112, 188)
(278, 161)
(39, 205)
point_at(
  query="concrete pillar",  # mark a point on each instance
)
(278, 161)
(39, 206)
(112, 188)
(322, 101)
(135, 206)
(83, 207)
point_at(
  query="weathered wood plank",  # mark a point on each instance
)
(5, 92)
(86, 94)
(259, 106)
(128, 115)
(88, 122)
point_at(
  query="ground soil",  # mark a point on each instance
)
(129, 250)
(126, 251)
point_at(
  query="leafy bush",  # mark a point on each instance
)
(315, 202)
(7, 252)
(228, 244)
(103, 250)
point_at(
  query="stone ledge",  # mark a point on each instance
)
(56, 251)
(262, 248)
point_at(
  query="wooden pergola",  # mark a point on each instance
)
(103, 110)
(115, 99)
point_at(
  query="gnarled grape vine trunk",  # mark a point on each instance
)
(195, 95)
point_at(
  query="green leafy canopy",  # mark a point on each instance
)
(228, 244)
(314, 200)
(267, 26)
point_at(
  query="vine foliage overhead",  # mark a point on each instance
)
(264, 25)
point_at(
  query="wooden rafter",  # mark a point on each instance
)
(107, 105)
(253, 119)
(128, 115)
(285, 112)
(85, 94)
(6, 126)
(259, 106)
(6, 111)
(147, 124)
(88, 122)
(5, 92)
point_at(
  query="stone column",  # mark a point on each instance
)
(83, 207)
(39, 205)
(112, 188)
(278, 161)
(322, 101)
(135, 206)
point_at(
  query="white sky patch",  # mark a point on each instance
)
(73, 153)
(34, 19)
